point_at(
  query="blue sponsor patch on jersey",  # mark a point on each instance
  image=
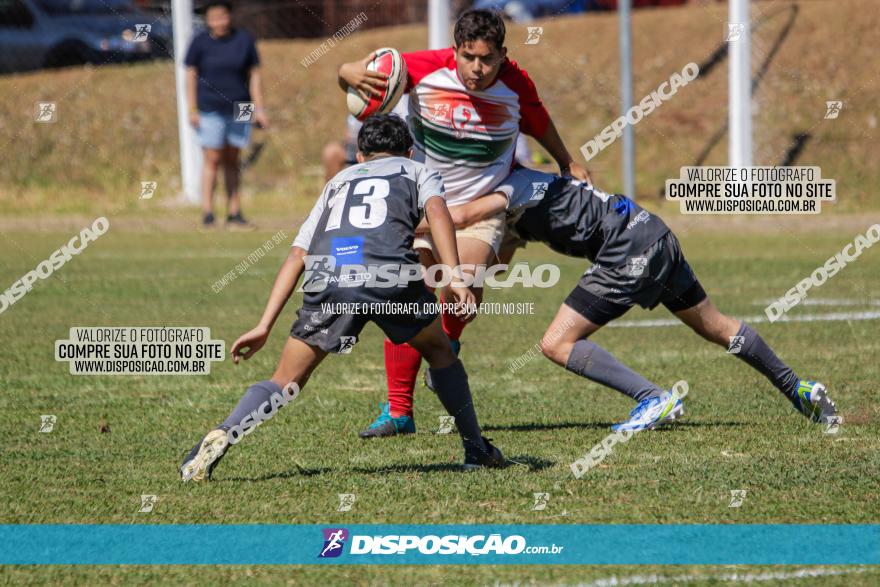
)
(348, 250)
(623, 205)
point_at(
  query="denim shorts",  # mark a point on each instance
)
(216, 130)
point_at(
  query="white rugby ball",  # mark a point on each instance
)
(389, 62)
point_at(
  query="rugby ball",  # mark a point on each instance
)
(389, 62)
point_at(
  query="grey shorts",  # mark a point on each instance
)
(659, 275)
(337, 332)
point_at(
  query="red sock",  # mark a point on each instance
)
(452, 326)
(402, 364)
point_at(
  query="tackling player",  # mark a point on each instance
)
(467, 105)
(366, 215)
(636, 260)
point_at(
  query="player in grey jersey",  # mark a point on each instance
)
(636, 260)
(366, 215)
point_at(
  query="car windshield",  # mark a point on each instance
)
(62, 7)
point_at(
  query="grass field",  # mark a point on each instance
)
(120, 437)
(117, 438)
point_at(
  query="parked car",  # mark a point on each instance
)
(56, 33)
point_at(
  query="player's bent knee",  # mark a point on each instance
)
(555, 351)
(439, 356)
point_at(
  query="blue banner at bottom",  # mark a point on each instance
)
(735, 544)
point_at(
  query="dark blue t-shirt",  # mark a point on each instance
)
(223, 66)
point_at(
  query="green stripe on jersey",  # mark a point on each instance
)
(444, 146)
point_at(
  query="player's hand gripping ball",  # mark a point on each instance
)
(388, 62)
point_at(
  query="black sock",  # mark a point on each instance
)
(761, 357)
(589, 360)
(452, 388)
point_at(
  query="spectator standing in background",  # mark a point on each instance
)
(225, 96)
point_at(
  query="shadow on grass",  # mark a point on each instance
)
(296, 472)
(603, 426)
(533, 463)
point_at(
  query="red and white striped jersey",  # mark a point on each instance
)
(469, 136)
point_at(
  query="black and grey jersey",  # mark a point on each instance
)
(575, 219)
(366, 216)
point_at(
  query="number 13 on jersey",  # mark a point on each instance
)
(370, 214)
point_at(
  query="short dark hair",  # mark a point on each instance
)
(227, 4)
(384, 133)
(480, 25)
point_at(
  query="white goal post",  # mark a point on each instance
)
(739, 85)
(190, 153)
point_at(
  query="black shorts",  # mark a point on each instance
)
(400, 317)
(660, 275)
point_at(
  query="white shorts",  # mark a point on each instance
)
(489, 231)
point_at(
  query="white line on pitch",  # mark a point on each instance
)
(826, 302)
(728, 577)
(832, 317)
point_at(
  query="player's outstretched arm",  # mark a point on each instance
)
(250, 342)
(472, 212)
(443, 233)
(567, 165)
(355, 74)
